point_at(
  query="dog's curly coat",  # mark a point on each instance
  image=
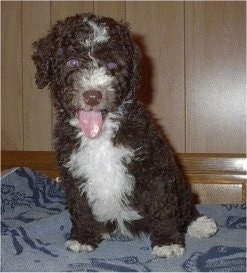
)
(118, 172)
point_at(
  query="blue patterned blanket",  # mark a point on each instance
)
(35, 225)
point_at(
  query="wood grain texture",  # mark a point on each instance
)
(41, 161)
(216, 178)
(214, 163)
(215, 76)
(222, 182)
(218, 193)
(36, 103)
(61, 9)
(11, 76)
(160, 34)
(114, 9)
(199, 97)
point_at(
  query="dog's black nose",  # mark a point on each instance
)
(92, 97)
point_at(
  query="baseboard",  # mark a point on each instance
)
(215, 178)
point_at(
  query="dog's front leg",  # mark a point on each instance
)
(86, 232)
(166, 239)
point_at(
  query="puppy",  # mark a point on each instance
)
(118, 172)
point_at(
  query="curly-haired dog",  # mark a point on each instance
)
(118, 173)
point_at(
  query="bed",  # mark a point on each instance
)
(35, 225)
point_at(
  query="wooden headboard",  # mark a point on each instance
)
(215, 178)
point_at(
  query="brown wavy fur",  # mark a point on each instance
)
(160, 193)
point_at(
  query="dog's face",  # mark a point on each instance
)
(90, 64)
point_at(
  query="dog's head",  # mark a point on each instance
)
(91, 65)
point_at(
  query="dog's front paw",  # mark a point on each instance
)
(168, 251)
(202, 227)
(77, 247)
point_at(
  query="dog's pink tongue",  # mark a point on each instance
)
(91, 123)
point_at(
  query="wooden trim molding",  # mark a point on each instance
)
(215, 178)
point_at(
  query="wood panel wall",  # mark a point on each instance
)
(193, 70)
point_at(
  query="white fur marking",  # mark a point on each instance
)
(94, 61)
(202, 227)
(168, 251)
(95, 79)
(106, 236)
(99, 35)
(108, 183)
(77, 247)
(74, 122)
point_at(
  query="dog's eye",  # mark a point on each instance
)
(73, 62)
(112, 65)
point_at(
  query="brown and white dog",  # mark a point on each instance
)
(118, 172)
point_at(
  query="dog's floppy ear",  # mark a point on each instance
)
(42, 59)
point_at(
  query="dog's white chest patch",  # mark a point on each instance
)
(108, 184)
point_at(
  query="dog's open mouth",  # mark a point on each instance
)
(91, 122)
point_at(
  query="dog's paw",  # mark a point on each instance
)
(77, 247)
(202, 227)
(168, 251)
(106, 236)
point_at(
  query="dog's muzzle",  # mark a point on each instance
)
(92, 97)
(91, 122)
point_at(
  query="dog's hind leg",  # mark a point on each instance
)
(202, 227)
